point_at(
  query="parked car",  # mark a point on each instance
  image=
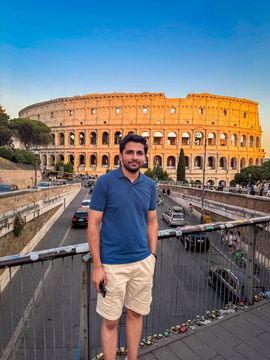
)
(60, 182)
(44, 185)
(178, 209)
(85, 203)
(174, 218)
(80, 217)
(230, 284)
(196, 242)
(4, 187)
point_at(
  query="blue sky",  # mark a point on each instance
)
(52, 49)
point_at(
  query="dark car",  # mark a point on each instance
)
(196, 242)
(80, 218)
(8, 187)
(230, 284)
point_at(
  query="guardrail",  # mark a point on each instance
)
(47, 308)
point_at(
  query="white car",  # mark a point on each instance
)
(85, 203)
(44, 185)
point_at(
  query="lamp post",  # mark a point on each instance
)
(204, 166)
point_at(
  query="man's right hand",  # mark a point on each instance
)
(99, 275)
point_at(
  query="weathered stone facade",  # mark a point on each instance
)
(87, 130)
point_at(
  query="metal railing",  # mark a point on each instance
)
(47, 301)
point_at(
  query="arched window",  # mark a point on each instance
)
(146, 135)
(93, 160)
(82, 160)
(198, 162)
(51, 160)
(158, 138)
(257, 163)
(198, 140)
(71, 138)
(44, 160)
(250, 162)
(171, 138)
(243, 163)
(185, 138)
(187, 162)
(171, 162)
(211, 139)
(243, 141)
(234, 140)
(105, 138)
(145, 165)
(251, 141)
(93, 138)
(223, 139)
(82, 138)
(117, 137)
(53, 139)
(105, 161)
(71, 159)
(257, 142)
(60, 157)
(157, 161)
(116, 161)
(234, 163)
(61, 139)
(223, 163)
(211, 162)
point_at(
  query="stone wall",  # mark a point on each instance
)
(22, 178)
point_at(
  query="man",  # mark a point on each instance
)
(122, 235)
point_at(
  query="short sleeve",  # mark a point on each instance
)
(153, 203)
(99, 198)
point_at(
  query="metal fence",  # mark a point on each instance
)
(47, 302)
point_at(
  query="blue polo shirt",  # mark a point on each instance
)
(125, 206)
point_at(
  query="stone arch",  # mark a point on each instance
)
(257, 142)
(71, 138)
(105, 138)
(223, 163)
(61, 139)
(251, 141)
(171, 162)
(158, 138)
(211, 139)
(157, 161)
(44, 160)
(198, 162)
(105, 161)
(185, 138)
(53, 139)
(117, 137)
(243, 141)
(223, 139)
(171, 140)
(51, 160)
(257, 163)
(116, 161)
(234, 163)
(234, 140)
(211, 162)
(243, 163)
(60, 157)
(81, 160)
(93, 138)
(71, 159)
(198, 138)
(250, 162)
(93, 160)
(82, 138)
(187, 160)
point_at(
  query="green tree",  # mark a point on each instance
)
(31, 132)
(65, 167)
(253, 174)
(157, 174)
(181, 167)
(5, 133)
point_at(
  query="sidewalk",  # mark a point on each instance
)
(243, 335)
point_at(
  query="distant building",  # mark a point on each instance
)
(87, 130)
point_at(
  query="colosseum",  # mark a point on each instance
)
(223, 130)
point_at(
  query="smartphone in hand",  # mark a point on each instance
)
(102, 288)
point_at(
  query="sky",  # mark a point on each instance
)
(51, 49)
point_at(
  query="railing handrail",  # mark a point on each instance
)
(71, 250)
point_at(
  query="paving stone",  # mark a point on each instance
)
(264, 337)
(261, 323)
(225, 335)
(219, 346)
(149, 356)
(249, 353)
(199, 347)
(183, 351)
(165, 354)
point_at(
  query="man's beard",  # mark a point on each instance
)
(130, 169)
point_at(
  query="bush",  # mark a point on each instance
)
(19, 223)
(18, 156)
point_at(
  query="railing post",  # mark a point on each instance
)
(85, 331)
(250, 264)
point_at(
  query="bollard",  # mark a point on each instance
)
(85, 330)
(250, 264)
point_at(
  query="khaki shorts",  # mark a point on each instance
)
(129, 285)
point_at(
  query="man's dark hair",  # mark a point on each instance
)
(133, 138)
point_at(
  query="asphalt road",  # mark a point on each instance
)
(43, 300)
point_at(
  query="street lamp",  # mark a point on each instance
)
(204, 165)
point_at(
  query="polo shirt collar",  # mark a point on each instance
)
(121, 175)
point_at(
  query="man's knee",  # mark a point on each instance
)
(133, 314)
(110, 324)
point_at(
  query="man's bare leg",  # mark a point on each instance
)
(109, 338)
(134, 333)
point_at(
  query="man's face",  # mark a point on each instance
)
(133, 156)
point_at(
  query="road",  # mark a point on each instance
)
(43, 300)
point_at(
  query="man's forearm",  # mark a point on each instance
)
(152, 232)
(94, 244)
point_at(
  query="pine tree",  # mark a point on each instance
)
(181, 167)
